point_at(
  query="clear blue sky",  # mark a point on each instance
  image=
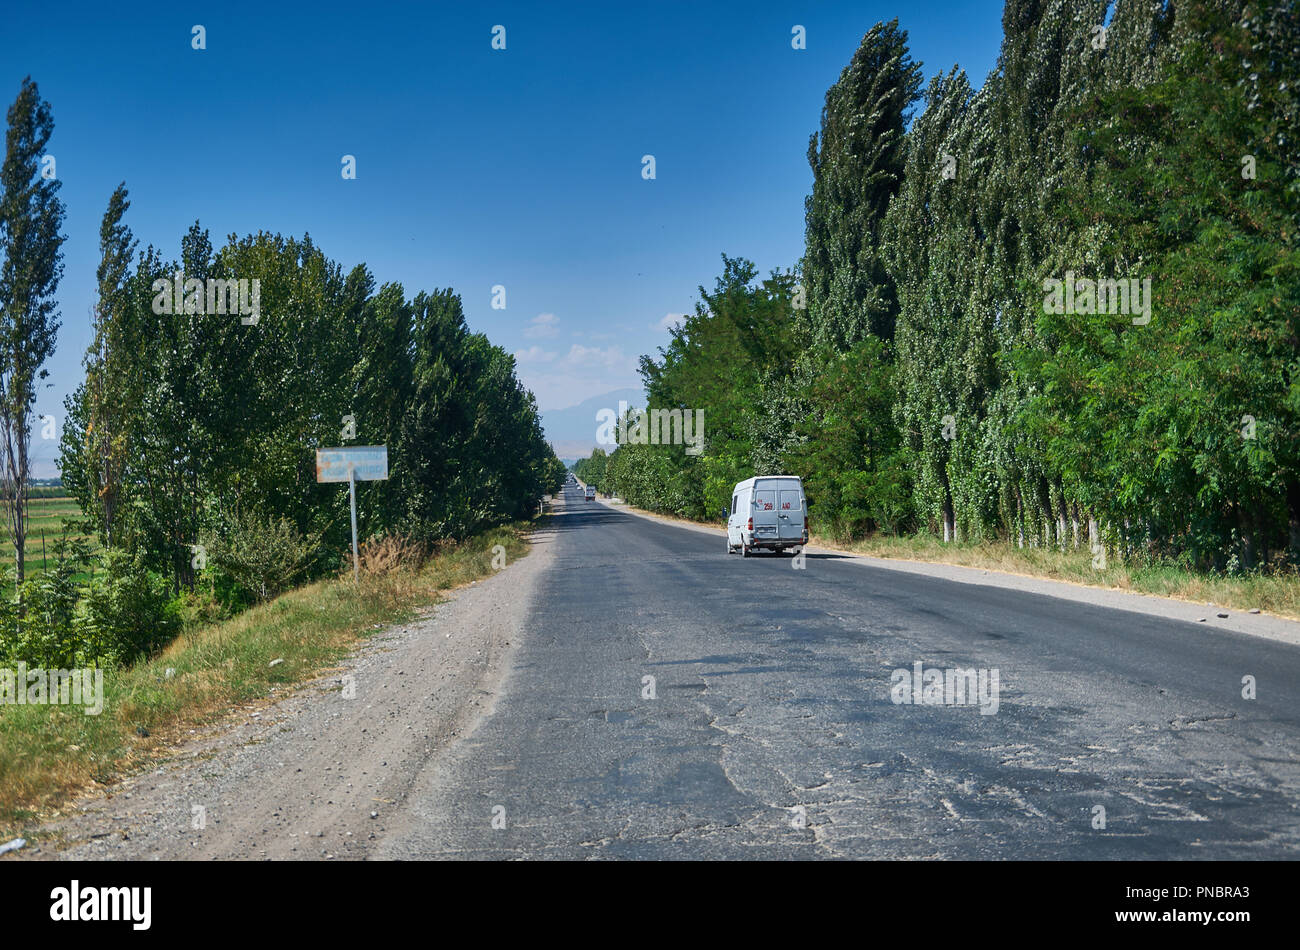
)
(475, 167)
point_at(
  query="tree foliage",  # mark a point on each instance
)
(31, 264)
(931, 383)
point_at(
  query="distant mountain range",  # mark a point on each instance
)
(572, 431)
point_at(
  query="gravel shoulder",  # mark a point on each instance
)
(314, 776)
(1205, 618)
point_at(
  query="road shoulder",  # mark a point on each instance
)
(314, 775)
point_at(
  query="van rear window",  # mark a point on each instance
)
(765, 500)
(790, 501)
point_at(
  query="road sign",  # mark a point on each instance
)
(369, 462)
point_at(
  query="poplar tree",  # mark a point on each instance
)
(857, 163)
(96, 440)
(31, 263)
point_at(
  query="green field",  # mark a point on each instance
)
(45, 522)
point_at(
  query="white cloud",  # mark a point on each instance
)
(534, 354)
(591, 357)
(582, 372)
(669, 321)
(542, 325)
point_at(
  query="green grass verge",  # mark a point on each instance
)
(1278, 593)
(48, 754)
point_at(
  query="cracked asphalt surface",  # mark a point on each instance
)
(772, 733)
(515, 721)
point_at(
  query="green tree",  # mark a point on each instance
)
(382, 382)
(1184, 431)
(851, 459)
(857, 163)
(96, 434)
(30, 267)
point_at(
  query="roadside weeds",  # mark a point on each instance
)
(51, 754)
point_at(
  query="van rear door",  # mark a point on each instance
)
(789, 510)
(764, 513)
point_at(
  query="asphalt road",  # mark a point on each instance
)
(772, 733)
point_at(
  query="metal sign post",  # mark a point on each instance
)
(352, 493)
(367, 463)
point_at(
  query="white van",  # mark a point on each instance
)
(770, 512)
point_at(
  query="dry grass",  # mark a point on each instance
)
(387, 554)
(1278, 594)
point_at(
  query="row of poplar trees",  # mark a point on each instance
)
(910, 369)
(191, 426)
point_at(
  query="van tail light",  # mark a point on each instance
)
(750, 525)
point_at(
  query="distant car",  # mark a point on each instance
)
(767, 512)
(590, 493)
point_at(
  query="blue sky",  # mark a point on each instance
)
(475, 167)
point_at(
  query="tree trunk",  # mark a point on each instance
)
(19, 526)
(1247, 539)
(1293, 517)
(949, 529)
